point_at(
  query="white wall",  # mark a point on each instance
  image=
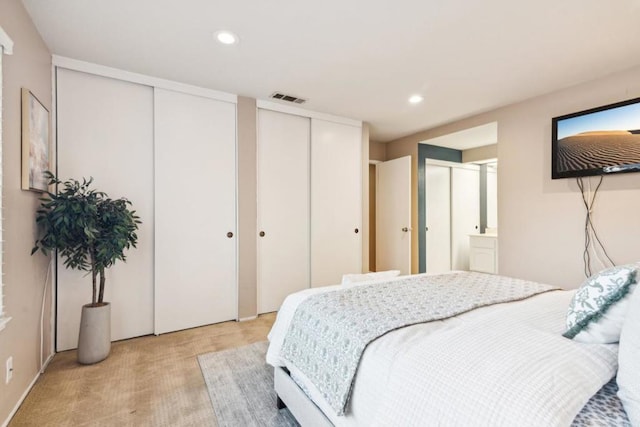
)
(24, 275)
(541, 221)
(541, 233)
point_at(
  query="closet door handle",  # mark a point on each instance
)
(229, 234)
(405, 229)
(356, 231)
(261, 234)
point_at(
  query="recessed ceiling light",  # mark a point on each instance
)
(416, 99)
(226, 37)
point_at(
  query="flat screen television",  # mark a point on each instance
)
(598, 141)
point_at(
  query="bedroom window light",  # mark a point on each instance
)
(6, 48)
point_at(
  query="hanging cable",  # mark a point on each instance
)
(44, 298)
(589, 228)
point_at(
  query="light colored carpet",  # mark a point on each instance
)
(240, 385)
(150, 381)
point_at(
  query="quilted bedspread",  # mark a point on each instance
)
(330, 331)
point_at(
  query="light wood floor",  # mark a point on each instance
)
(147, 381)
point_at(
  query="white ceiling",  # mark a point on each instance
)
(357, 58)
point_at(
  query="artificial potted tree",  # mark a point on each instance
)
(91, 232)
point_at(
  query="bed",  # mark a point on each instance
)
(499, 363)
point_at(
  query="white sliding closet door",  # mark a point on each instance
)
(336, 201)
(105, 130)
(465, 212)
(438, 218)
(283, 207)
(195, 211)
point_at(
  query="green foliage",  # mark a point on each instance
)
(89, 230)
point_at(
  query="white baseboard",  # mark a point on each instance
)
(46, 362)
(24, 395)
(26, 392)
(244, 319)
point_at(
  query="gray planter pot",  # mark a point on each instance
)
(94, 342)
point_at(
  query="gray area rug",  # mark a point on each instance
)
(240, 385)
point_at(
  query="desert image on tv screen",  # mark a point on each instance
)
(606, 140)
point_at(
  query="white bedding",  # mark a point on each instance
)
(390, 387)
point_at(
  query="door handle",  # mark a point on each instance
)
(229, 234)
(356, 231)
(262, 234)
(405, 229)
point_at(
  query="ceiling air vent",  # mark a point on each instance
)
(288, 98)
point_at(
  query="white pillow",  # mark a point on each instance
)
(597, 311)
(366, 277)
(629, 361)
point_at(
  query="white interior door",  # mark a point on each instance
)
(283, 207)
(336, 201)
(465, 212)
(492, 197)
(105, 131)
(393, 215)
(195, 208)
(438, 218)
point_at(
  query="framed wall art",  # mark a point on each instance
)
(35, 142)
